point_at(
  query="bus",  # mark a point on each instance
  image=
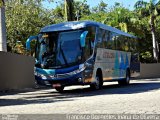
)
(84, 53)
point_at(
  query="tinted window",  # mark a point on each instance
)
(90, 42)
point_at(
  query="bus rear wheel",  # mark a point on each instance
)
(60, 89)
(125, 81)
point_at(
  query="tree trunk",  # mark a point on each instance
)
(69, 10)
(154, 42)
(3, 43)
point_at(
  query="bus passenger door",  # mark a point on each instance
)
(89, 70)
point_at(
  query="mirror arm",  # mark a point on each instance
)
(28, 47)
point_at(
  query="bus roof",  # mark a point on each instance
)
(81, 24)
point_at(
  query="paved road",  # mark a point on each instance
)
(141, 96)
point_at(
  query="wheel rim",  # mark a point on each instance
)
(97, 83)
(127, 78)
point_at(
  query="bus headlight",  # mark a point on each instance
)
(40, 75)
(43, 77)
(81, 67)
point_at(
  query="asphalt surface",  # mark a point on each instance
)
(141, 96)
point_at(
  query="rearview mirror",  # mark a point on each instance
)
(83, 38)
(31, 38)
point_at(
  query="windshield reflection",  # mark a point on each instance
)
(58, 49)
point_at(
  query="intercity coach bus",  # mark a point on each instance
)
(84, 53)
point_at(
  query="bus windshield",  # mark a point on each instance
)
(58, 49)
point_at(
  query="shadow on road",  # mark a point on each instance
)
(73, 94)
(117, 89)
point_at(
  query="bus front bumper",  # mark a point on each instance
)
(76, 79)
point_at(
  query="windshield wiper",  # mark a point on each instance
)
(65, 60)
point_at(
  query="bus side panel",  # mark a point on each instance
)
(112, 63)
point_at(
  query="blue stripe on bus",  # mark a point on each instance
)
(45, 71)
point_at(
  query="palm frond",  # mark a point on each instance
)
(140, 4)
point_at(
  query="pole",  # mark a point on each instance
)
(3, 41)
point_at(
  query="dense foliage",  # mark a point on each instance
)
(25, 18)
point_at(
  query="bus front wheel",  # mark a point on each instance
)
(97, 84)
(60, 89)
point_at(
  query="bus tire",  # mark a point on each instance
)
(98, 82)
(60, 89)
(125, 81)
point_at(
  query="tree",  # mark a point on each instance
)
(69, 10)
(80, 9)
(119, 17)
(58, 13)
(97, 13)
(22, 23)
(3, 46)
(101, 7)
(150, 10)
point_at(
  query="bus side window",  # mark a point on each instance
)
(110, 41)
(105, 38)
(102, 38)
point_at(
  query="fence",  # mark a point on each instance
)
(16, 71)
(150, 70)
